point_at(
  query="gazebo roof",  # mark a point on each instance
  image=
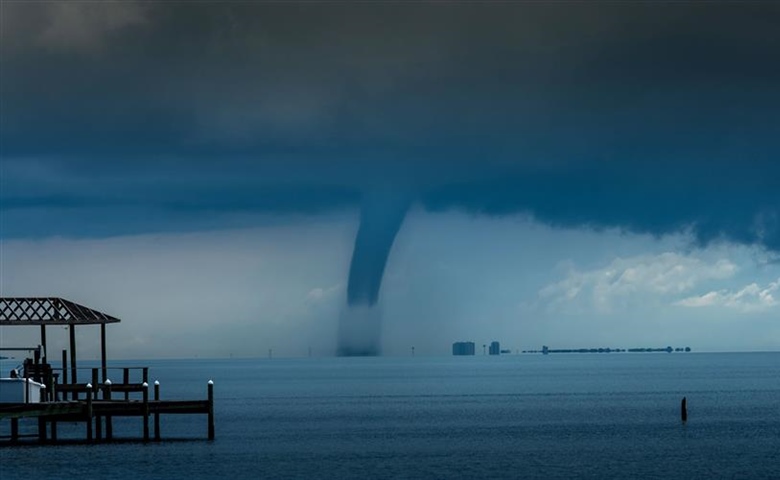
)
(49, 311)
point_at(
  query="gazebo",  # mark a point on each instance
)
(52, 311)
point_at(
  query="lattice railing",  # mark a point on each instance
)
(44, 311)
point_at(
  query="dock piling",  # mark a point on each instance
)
(109, 424)
(41, 429)
(211, 409)
(89, 412)
(146, 411)
(64, 370)
(14, 430)
(156, 414)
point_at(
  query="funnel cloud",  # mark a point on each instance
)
(381, 217)
(136, 117)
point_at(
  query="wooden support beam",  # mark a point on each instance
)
(64, 367)
(103, 361)
(43, 343)
(125, 381)
(95, 382)
(14, 430)
(41, 429)
(73, 374)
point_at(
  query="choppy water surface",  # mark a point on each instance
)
(591, 415)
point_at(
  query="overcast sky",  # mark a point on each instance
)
(580, 174)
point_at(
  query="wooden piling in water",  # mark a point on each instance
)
(109, 424)
(41, 429)
(156, 415)
(211, 409)
(89, 412)
(146, 411)
(684, 410)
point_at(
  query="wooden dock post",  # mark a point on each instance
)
(107, 396)
(64, 371)
(41, 429)
(211, 409)
(156, 414)
(14, 430)
(53, 430)
(126, 380)
(89, 412)
(95, 382)
(73, 368)
(146, 411)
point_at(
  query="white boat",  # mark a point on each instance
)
(20, 390)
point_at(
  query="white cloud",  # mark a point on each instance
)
(663, 274)
(751, 298)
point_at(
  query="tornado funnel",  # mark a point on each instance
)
(360, 325)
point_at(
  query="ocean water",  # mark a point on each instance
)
(514, 416)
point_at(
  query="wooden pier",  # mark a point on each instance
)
(93, 403)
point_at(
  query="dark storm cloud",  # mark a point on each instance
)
(650, 116)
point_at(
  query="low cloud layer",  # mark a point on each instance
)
(453, 277)
(667, 274)
(751, 298)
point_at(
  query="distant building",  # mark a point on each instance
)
(495, 348)
(463, 348)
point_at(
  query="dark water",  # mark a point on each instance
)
(561, 416)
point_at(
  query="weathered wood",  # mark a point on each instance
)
(125, 381)
(211, 409)
(86, 410)
(43, 342)
(103, 358)
(42, 429)
(95, 383)
(109, 423)
(64, 368)
(89, 413)
(157, 414)
(73, 373)
(146, 412)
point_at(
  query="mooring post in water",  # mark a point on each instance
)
(107, 396)
(146, 411)
(156, 414)
(14, 430)
(41, 429)
(89, 412)
(211, 410)
(684, 410)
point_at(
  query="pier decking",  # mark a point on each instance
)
(94, 403)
